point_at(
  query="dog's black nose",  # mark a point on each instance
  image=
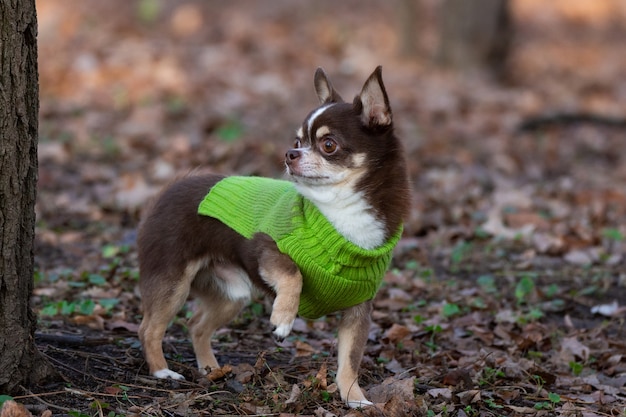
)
(292, 154)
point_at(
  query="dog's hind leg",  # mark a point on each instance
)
(159, 308)
(215, 307)
(352, 338)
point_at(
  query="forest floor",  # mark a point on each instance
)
(507, 293)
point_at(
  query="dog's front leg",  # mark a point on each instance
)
(283, 276)
(352, 338)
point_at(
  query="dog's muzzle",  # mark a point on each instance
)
(292, 155)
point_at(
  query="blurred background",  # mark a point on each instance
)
(513, 113)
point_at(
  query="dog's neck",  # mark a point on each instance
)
(349, 212)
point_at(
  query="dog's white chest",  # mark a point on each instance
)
(349, 213)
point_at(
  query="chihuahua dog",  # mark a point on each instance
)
(319, 243)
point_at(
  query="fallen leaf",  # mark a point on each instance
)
(12, 409)
(578, 257)
(604, 385)
(495, 227)
(546, 243)
(94, 321)
(393, 388)
(321, 376)
(608, 310)
(520, 219)
(121, 325)
(294, 396)
(219, 373)
(469, 397)
(322, 412)
(186, 20)
(132, 192)
(398, 406)
(445, 393)
(112, 390)
(522, 410)
(458, 378)
(395, 367)
(572, 348)
(396, 333)
(304, 349)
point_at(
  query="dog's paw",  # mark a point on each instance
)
(282, 330)
(359, 403)
(166, 373)
(282, 322)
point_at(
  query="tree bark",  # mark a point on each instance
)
(20, 361)
(475, 35)
(406, 11)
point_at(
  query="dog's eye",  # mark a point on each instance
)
(329, 146)
(297, 144)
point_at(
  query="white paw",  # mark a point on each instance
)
(166, 373)
(360, 404)
(283, 330)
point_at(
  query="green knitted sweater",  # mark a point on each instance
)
(336, 273)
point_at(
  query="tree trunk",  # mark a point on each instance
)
(20, 361)
(475, 35)
(406, 11)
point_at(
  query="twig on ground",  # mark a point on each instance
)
(41, 400)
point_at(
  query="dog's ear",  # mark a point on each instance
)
(324, 88)
(373, 103)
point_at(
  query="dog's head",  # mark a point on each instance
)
(346, 155)
(339, 141)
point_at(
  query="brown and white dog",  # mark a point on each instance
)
(347, 161)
